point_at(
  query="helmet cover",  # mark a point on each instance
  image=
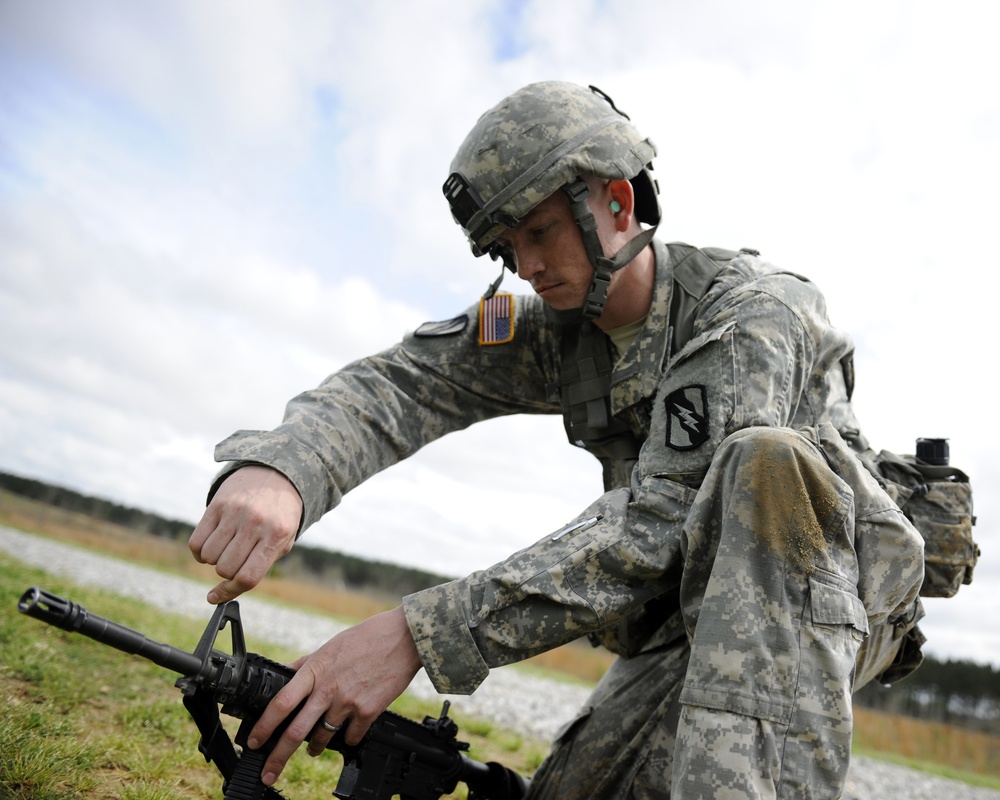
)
(536, 141)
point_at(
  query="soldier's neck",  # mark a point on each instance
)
(631, 292)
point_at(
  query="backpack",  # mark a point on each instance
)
(937, 499)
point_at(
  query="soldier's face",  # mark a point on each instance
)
(549, 254)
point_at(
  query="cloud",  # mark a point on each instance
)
(206, 208)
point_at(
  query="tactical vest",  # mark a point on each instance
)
(587, 362)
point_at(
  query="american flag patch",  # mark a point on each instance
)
(496, 319)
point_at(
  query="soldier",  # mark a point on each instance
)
(741, 553)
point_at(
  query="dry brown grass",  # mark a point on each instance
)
(921, 740)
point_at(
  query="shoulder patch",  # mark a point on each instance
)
(496, 319)
(448, 327)
(687, 418)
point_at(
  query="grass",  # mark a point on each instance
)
(80, 720)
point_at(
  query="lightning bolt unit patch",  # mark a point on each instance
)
(687, 418)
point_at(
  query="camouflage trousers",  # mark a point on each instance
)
(753, 698)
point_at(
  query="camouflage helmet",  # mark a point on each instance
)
(533, 143)
(543, 138)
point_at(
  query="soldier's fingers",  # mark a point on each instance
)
(243, 570)
(281, 705)
(238, 556)
(322, 735)
(304, 724)
(228, 590)
(216, 543)
(203, 530)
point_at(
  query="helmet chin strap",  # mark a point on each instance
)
(492, 288)
(604, 267)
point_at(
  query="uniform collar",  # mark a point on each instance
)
(636, 374)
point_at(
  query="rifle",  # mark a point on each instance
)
(397, 757)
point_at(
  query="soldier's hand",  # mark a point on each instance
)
(250, 523)
(347, 682)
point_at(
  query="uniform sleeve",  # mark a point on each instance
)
(746, 366)
(608, 561)
(382, 409)
(749, 364)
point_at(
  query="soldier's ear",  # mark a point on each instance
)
(622, 204)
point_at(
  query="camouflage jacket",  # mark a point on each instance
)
(762, 352)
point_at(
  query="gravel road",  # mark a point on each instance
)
(534, 706)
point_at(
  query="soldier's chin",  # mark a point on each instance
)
(556, 299)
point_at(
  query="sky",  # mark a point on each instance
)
(207, 207)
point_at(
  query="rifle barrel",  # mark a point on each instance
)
(71, 616)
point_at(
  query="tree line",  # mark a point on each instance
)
(959, 692)
(96, 507)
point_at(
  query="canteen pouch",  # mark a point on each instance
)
(937, 499)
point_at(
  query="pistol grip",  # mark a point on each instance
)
(245, 783)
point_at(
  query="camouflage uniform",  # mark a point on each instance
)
(740, 566)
